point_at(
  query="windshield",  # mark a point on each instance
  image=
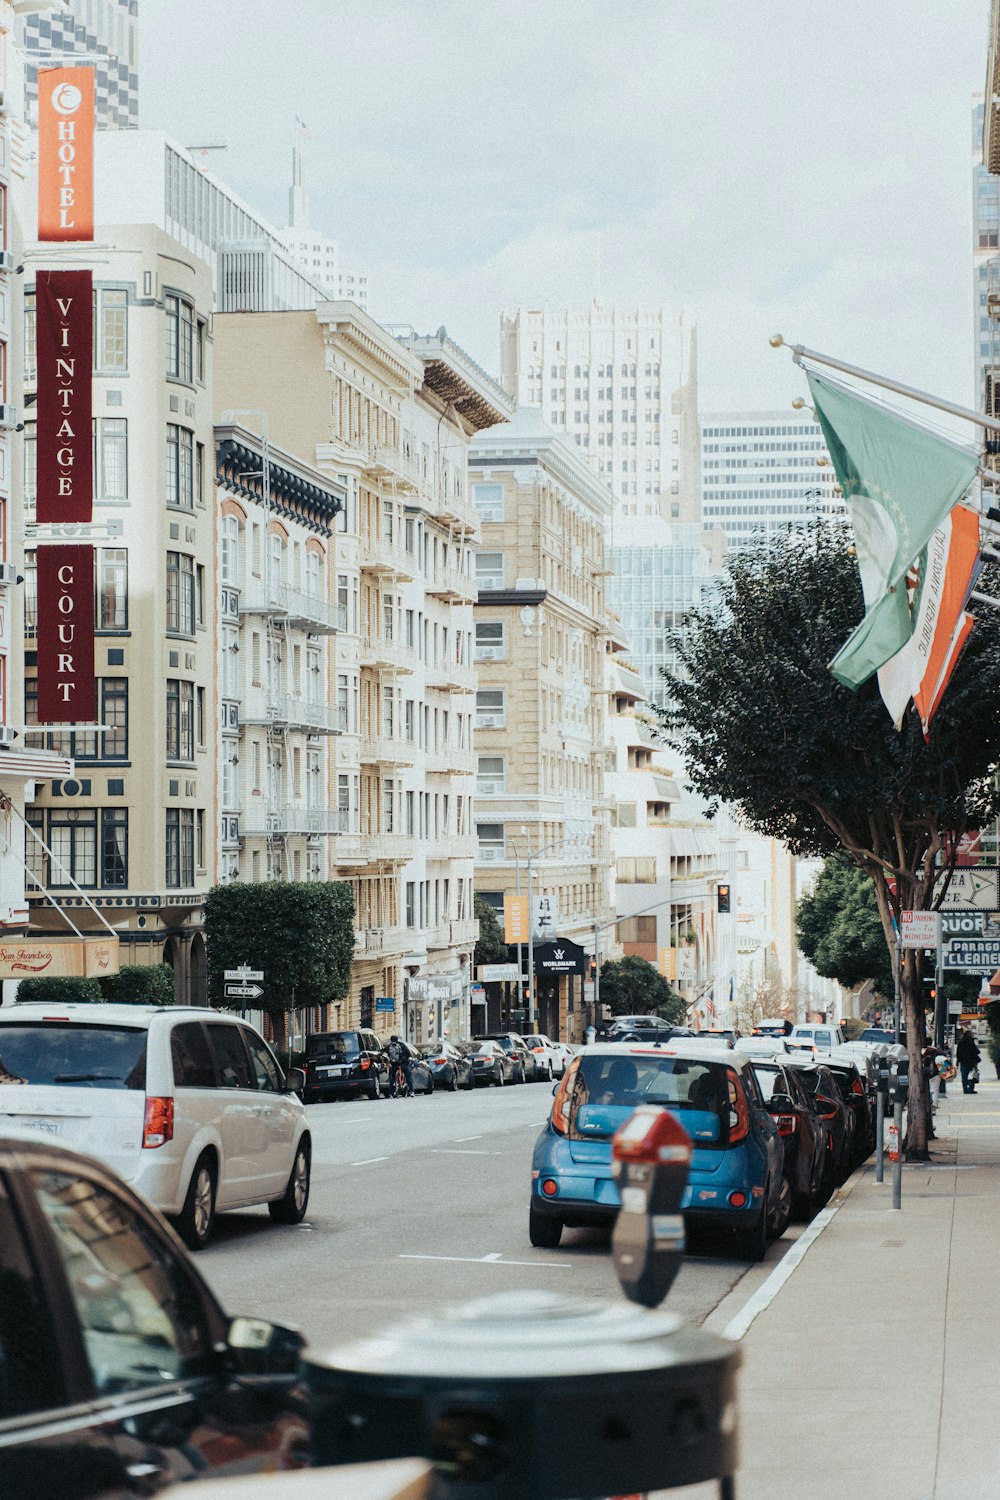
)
(333, 1044)
(770, 1081)
(681, 1084)
(106, 1057)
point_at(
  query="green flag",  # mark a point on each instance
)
(900, 481)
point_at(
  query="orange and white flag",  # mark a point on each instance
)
(66, 153)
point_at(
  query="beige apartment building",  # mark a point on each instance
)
(387, 421)
(541, 707)
(134, 825)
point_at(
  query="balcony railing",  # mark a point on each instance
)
(289, 819)
(452, 583)
(379, 749)
(450, 763)
(381, 651)
(307, 714)
(384, 461)
(370, 942)
(464, 930)
(377, 555)
(308, 611)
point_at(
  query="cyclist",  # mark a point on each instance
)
(399, 1060)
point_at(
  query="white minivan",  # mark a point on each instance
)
(819, 1037)
(188, 1105)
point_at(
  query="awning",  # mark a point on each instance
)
(667, 788)
(33, 765)
(689, 842)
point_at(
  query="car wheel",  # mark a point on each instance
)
(543, 1232)
(195, 1220)
(500, 1080)
(751, 1244)
(375, 1090)
(548, 1073)
(430, 1084)
(291, 1209)
(523, 1076)
(453, 1085)
(781, 1216)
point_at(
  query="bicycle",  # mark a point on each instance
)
(398, 1086)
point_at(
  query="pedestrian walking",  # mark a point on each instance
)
(967, 1056)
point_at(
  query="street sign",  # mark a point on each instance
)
(920, 929)
(957, 923)
(385, 1003)
(588, 992)
(242, 975)
(977, 886)
(976, 955)
(954, 1007)
(892, 1140)
(496, 973)
(244, 991)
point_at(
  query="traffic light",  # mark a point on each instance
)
(593, 968)
(722, 898)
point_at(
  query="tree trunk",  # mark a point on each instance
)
(919, 1105)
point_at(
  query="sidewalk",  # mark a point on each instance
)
(876, 1368)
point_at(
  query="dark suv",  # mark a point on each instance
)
(517, 1050)
(341, 1064)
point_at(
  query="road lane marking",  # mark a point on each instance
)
(461, 1151)
(467, 1137)
(491, 1260)
(367, 1161)
(494, 1255)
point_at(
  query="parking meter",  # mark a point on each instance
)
(882, 1071)
(651, 1154)
(899, 1080)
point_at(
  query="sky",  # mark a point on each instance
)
(760, 166)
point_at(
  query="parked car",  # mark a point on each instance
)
(120, 1374)
(491, 1064)
(773, 1026)
(188, 1105)
(830, 1108)
(736, 1178)
(451, 1068)
(550, 1057)
(818, 1038)
(877, 1034)
(801, 1131)
(344, 1065)
(856, 1094)
(517, 1050)
(719, 1034)
(761, 1046)
(639, 1029)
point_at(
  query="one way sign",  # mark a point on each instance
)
(244, 991)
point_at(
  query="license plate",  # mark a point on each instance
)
(333, 1072)
(49, 1127)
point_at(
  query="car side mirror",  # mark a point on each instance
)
(295, 1081)
(256, 1347)
(780, 1104)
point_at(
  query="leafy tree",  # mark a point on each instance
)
(633, 986)
(839, 928)
(764, 727)
(300, 933)
(490, 945)
(140, 984)
(59, 991)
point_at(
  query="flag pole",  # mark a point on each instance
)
(800, 352)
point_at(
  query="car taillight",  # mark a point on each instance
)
(857, 1087)
(439, 1062)
(538, 1049)
(366, 1063)
(559, 1118)
(158, 1124)
(738, 1106)
(786, 1124)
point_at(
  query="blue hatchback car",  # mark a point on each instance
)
(736, 1180)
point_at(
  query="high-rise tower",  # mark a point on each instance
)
(102, 32)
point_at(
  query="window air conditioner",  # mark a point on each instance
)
(489, 653)
(8, 574)
(8, 417)
(7, 260)
(489, 721)
(7, 735)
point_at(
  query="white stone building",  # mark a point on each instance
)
(764, 471)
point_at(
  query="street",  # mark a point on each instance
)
(420, 1203)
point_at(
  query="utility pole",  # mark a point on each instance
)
(532, 997)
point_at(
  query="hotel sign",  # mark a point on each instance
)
(66, 684)
(66, 153)
(64, 319)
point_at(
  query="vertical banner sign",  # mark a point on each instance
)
(66, 153)
(64, 319)
(66, 687)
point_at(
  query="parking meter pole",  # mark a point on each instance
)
(880, 1137)
(597, 976)
(897, 1024)
(897, 1166)
(940, 1003)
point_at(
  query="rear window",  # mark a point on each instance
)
(337, 1044)
(680, 1083)
(770, 1081)
(73, 1056)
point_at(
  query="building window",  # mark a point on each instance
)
(112, 588)
(110, 330)
(180, 467)
(490, 779)
(488, 500)
(30, 340)
(114, 847)
(489, 640)
(491, 841)
(230, 550)
(180, 339)
(179, 848)
(180, 720)
(73, 842)
(180, 593)
(411, 903)
(489, 570)
(489, 708)
(110, 458)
